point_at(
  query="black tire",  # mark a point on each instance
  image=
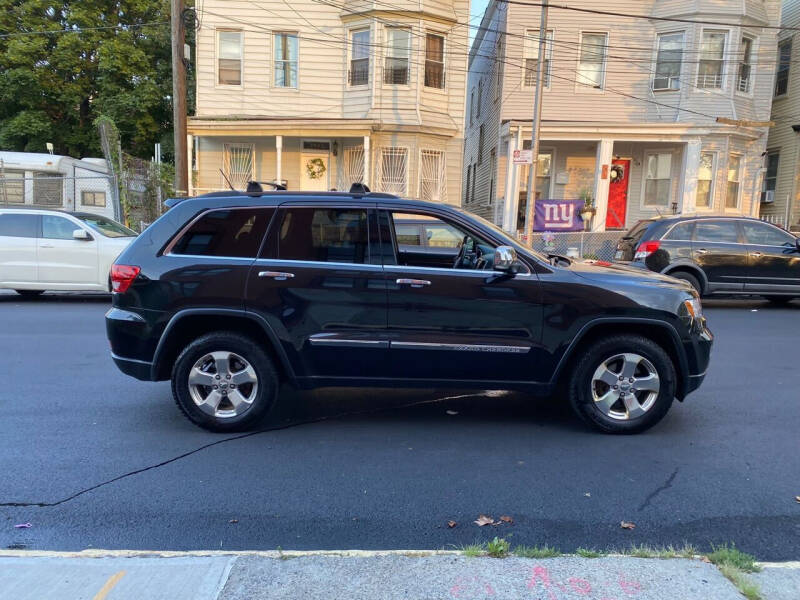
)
(693, 281)
(779, 300)
(263, 397)
(581, 386)
(30, 293)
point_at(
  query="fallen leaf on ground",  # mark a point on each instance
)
(588, 495)
(452, 412)
(506, 519)
(627, 525)
(233, 521)
(451, 524)
(705, 559)
(23, 526)
(484, 520)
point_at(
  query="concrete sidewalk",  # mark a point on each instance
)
(101, 575)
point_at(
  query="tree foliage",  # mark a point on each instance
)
(115, 62)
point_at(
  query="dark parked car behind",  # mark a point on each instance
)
(717, 254)
(230, 294)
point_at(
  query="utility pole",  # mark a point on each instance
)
(536, 126)
(178, 32)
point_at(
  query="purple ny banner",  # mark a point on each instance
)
(558, 215)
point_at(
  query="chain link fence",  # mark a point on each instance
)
(590, 245)
(96, 193)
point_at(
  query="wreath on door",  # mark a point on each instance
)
(617, 173)
(315, 168)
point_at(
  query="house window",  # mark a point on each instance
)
(93, 198)
(498, 68)
(705, 181)
(394, 170)
(359, 57)
(237, 164)
(397, 54)
(286, 60)
(592, 66)
(474, 182)
(48, 189)
(658, 183)
(432, 176)
(229, 61)
(668, 62)
(469, 181)
(434, 61)
(472, 107)
(481, 140)
(492, 176)
(734, 174)
(12, 187)
(770, 177)
(712, 59)
(480, 99)
(784, 63)
(530, 55)
(745, 65)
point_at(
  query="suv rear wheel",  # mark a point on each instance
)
(623, 384)
(224, 382)
(693, 281)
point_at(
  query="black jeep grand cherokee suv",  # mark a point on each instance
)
(229, 294)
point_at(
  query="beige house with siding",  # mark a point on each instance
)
(780, 198)
(320, 94)
(630, 111)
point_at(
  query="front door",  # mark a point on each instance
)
(773, 263)
(319, 284)
(314, 172)
(462, 322)
(619, 177)
(62, 258)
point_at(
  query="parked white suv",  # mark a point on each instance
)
(56, 250)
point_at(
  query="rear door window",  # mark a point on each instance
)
(233, 232)
(681, 232)
(408, 234)
(761, 234)
(339, 235)
(442, 235)
(17, 225)
(723, 231)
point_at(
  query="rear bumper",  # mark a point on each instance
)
(131, 337)
(139, 369)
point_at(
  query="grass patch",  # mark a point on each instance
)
(498, 548)
(536, 552)
(472, 550)
(645, 551)
(729, 556)
(747, 588)
(589, 553)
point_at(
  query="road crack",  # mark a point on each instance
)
(664, 486)
(234, 438)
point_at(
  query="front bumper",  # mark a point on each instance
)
(697, 349)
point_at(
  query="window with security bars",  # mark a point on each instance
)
(48, 189)
(432, 176)
(745, 65)
(12, 187)
(531, 55)
(359, 57)
(434, 61)
(398, 50)
(394, 170)
(668, 62)
(784, 64)
(352, 167)
(712, 60)
(237, 164)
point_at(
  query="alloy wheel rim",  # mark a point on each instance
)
(625, 386)
(223, 384)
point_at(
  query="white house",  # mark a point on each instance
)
(54, 181)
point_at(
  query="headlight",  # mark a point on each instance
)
(694, 307)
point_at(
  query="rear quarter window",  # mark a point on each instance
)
(681, 231)
(235, 232)
(16, 225)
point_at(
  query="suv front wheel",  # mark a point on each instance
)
(224, 382)
(623, 384)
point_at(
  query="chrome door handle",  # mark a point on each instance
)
(46, 246)
(756, 254)
(415, 283)
(702, 251)
(276, 275)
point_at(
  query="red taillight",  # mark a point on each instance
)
(122, 277)
(645, 249)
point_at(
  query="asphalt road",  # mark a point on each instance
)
(99, 460)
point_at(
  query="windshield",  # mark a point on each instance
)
(107, 227)
(507, 239)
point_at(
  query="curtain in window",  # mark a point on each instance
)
(229, 69)
(593, 57)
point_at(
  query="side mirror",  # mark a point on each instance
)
(81, 234)
(504, 258)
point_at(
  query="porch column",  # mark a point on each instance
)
(189, 150)
(278, 158)
(605, 149)
(508, 205)
(512, 191)
(366, 160)
(687, 203)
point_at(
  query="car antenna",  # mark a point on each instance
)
(230, 185)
